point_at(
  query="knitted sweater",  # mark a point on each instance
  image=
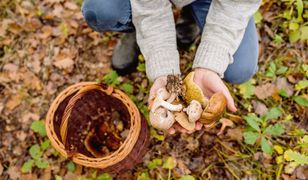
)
(224, 29)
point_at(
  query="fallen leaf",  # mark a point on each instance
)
(264, 91)
(1, 169)
(259, 107)
(282, 83)
(70, 5)
(64, 63)
(14, 172)
(235, 134)
(10, 67)
(14, 101)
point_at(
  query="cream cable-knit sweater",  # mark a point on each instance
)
(224, 29)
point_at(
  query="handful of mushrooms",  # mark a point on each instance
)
(168, 108)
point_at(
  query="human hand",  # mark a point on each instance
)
(161, 82)
(210, 83)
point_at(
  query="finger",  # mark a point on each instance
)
(198, 126)
(230, 101)
(179, 128)
(171, 131)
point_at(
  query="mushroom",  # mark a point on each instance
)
(182, 119)
(161, 119)
(225, 123)
(160, 100)
(194, 111)
(214, 109)
(193, 91)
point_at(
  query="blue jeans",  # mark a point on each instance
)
(115, 15)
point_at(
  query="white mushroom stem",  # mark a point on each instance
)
(162, 119)
(194, 111)
(172, 97)
(160, 101)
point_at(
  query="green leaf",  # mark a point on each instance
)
(58, 177)
(154, 163)
(35, 151)
(282, 70)
(128, 88)
(301, 85)
(187, 177)
(27, 166)
(141, 67)
(294, 36)
(300, 8)
(293, 26)
(39, 127)
(104, 176)
(301, 159)
(275, 130)
(271, 71)
(250, 137)
(274, 113)
(257, 17)
(304, 33)
(278, 39)
(247, 89)
(156, 135)
(143, 176)
(170, 163)
(41, 163)
(283, 93)
(45, 145)
(266, 147)
(301, 100)
(253, 120)
(71, 166)
(111, 78)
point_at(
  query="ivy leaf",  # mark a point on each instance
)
(301, 85)
(300, 159)
(154, 163)
(45, 144)
(247, 89)
(35, 151)
(27, 166)
(250, 137)
(71, 166)
(104, 176)
(275, 130)
(266, 147)
(111, 78)
(39, 127)
(128, 88)
(170, 163)
(187, 177)
(300, 100)
(253, 120)
(41, 163)
(274, 113)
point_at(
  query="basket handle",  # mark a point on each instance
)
(68, 109)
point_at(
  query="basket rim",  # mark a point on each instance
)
(106, 161)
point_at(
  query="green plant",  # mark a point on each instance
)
(259, 131)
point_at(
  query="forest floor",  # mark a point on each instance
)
(45, 46)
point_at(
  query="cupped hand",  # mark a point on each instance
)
(211, 83)
(161, 82)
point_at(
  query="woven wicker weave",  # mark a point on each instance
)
(58, 122)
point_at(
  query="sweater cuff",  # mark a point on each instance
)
(164, 62)
(212, 56)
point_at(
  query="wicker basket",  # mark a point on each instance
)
(69, 111)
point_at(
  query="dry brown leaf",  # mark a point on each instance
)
(14, 172)
(29, 116)
(265, 90)
(282, 83)
(46, 32)
(259, 107)
(1, 169)
(29, 176)
(70, 5)
(64, 63)
(14, 101)
(10, 67)
(235, 134)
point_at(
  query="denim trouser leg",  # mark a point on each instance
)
(108, 15)
(245, 63)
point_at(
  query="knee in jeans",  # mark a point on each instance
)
(105, 15)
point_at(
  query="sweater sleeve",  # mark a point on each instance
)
(156, 37)
(223, 32)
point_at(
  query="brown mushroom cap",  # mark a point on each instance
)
(193, 91)
(214, 109)
(182, 119)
